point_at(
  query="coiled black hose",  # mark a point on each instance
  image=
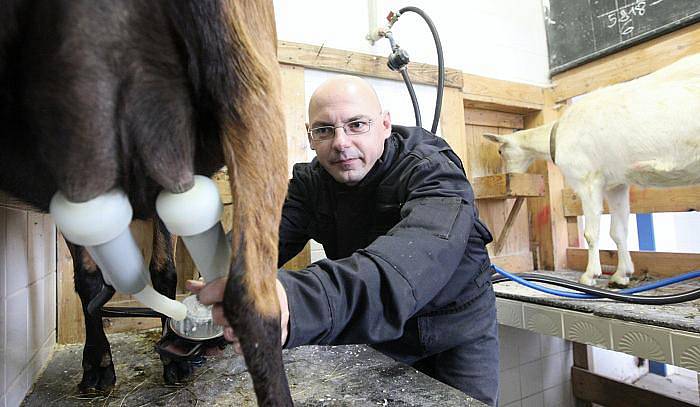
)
(613, 295)
(441, 65)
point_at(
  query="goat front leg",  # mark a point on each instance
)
(591, 194)
(98, 368)
(259, 334)
(619, 204)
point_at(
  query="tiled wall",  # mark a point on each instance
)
(535, 369)
(27, 300)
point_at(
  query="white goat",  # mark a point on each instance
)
(644, 132)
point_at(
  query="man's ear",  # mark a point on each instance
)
(386, 123)
(495, 138)
(308, 136)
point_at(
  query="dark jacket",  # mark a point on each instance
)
(405, 243)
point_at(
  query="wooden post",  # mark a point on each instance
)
(580, 352)
(548, 227)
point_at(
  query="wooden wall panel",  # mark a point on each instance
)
(482, 160)
(452, 124)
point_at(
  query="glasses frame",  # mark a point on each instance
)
(343, 126)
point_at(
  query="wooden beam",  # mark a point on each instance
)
(608, 392)
(509, 185)
(356, 63)
(9, 201)
(649, 200)
(548, 228)
(656, 264)
(295, 114)
(492, 118)
(496, 94)
(628, 64)
(452, 124)
(580, 353)
(517, 263)
(498, 244)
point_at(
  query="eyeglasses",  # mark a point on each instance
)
(353, 128)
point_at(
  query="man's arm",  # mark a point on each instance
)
(369, 296)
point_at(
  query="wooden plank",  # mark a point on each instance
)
(608, 392)
(628, 64)
(508, 185)
(656, 264)
(493, 118)
(295, 114)
(517, 262)
(644, 200)
(356, 63)
(575, 232)
(221, 180)
(494, 94)
(580, 353)
(548, 227)
(301, 260)
(116, 325)
(69, 324)
(452, 124)
(9, 201)
(498, 244)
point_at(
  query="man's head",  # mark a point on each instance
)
(347, 153)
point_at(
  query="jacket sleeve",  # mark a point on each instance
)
(293, 234)
(368, 296)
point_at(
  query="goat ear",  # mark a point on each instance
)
(495, 138)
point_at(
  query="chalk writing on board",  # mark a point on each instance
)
(622, 17)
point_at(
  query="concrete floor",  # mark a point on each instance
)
(318, 376)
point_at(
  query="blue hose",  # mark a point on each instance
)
(566, 294)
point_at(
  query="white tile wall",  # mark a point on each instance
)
(27, 300)
(535, 369)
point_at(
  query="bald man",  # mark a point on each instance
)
(407, 270)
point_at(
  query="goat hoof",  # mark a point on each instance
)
(618, 282)
(97, 381)
(586, 280)
(177, 372)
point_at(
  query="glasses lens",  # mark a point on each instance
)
(322, 133)
(357, 127)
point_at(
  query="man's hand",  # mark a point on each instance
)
(213, 293)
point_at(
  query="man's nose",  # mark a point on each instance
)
(340, 140)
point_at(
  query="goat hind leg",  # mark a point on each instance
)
(618, 201)
(98, 367)
(592, 201)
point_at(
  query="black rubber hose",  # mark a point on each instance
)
(130, 312)
(412, 93)
(613, 295)
(441, 64)
(100, 299)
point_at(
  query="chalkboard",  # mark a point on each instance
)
(579, 31)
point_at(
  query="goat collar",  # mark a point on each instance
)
(553, 141)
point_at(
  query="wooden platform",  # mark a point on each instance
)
(318, 376)
(666, 333)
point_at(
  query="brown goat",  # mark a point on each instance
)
(141, 95)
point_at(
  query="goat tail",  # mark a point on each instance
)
(234, 45)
